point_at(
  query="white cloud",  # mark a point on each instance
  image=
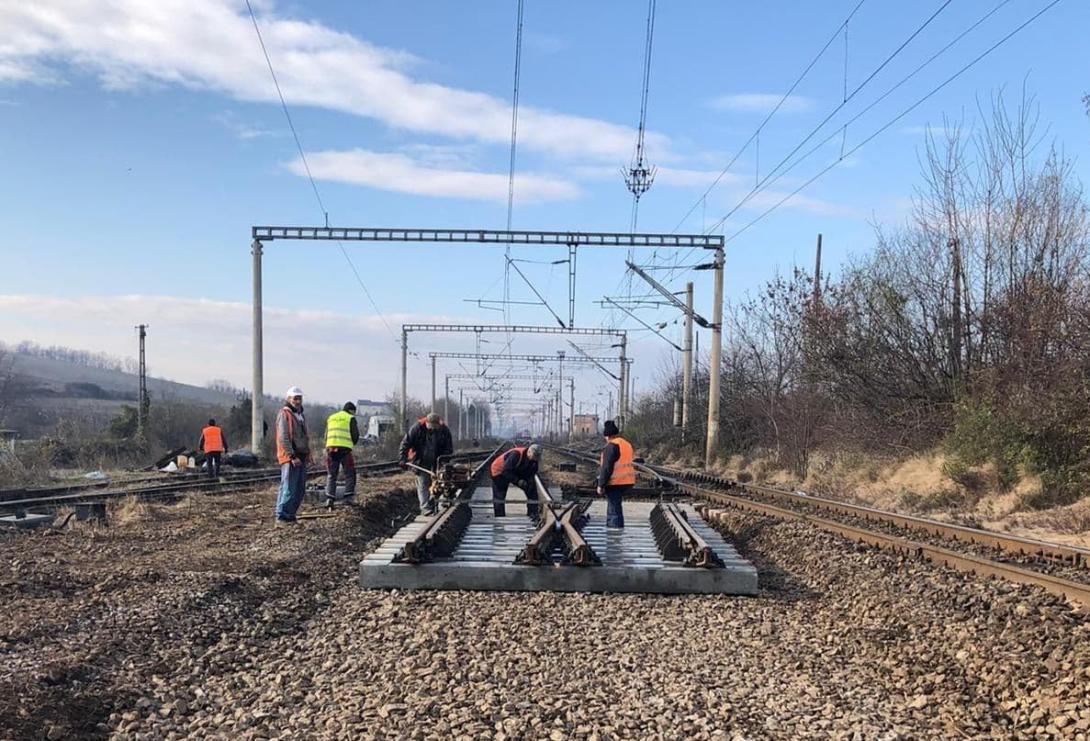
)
(196, 340)
(181, 348)
(401, 174)
(210, 45)
(761, 103)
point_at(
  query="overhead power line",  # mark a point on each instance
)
(511, 165)
(869, 107)
(757, 132)
(639, 177)
(874, 73)
(306, 167)
(898, 117)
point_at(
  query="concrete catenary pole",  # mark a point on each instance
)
(571, 410)
(145, 402)
(446, 398)
(715, 362)
(434, 396)
(560, 394)
(622, 392)
(687, 362)
(461, 415)
(257, 410)
(404, 377)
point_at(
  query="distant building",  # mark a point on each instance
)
(379, 426)
(367, 408)
(585, 425)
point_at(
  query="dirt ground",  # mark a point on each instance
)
(202, 619)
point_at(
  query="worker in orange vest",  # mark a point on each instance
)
(292, 452)
(616, 474)
(214, 445)
(517, 466)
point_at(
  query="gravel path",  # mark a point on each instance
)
(203, 620)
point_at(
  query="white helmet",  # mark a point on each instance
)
(293, 392)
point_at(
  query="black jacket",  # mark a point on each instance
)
(516, 467)
(428, 444)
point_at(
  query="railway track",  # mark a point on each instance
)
(36, 501)
(1057, 568)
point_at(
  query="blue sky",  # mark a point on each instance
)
(140, 141)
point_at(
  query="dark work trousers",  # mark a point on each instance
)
(335, 459)
(213, 462)
(614, 510)
(499, 495)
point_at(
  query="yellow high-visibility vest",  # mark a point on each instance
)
(338, 430)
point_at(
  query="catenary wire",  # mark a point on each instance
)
(306, 167)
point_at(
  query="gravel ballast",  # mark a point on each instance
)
(201, 619)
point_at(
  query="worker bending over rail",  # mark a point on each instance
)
(292, 451)
(425, 442)
(616, 474)
(517, 466)
(341, 433)
(213, 444)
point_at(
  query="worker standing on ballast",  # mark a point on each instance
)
(617, 473)
(213, 444)
(517, 466)
(423, 445)
(292, 452)
(342, 432)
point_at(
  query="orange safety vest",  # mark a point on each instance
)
(283, 455)
(624, 470)
(213, 439)
(497, 465)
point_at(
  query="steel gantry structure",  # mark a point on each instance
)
(261, 235)
(479, 329)
(560, 358)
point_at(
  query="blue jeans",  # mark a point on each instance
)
(293, 483)
(614, 510)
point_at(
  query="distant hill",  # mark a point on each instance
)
(48, 378)
(44, 390)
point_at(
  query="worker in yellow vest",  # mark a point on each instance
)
(341, 433)
(616, 473)
(213, 444)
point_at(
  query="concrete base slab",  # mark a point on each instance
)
(29, 522)
(484, 560)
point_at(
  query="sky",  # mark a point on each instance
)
(140, 142)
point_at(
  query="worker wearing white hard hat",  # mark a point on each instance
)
(292, 452)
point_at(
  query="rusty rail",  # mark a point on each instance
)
(678, 541)
(564, 527)
(1013, 544)
(439, 537)
(578, 551)
(443, 531)
(942, 556)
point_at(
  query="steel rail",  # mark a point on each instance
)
(443, 531)
(238, 481)
(1076, 591)
(678, 541)
(1013, 544)
(941, 556)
